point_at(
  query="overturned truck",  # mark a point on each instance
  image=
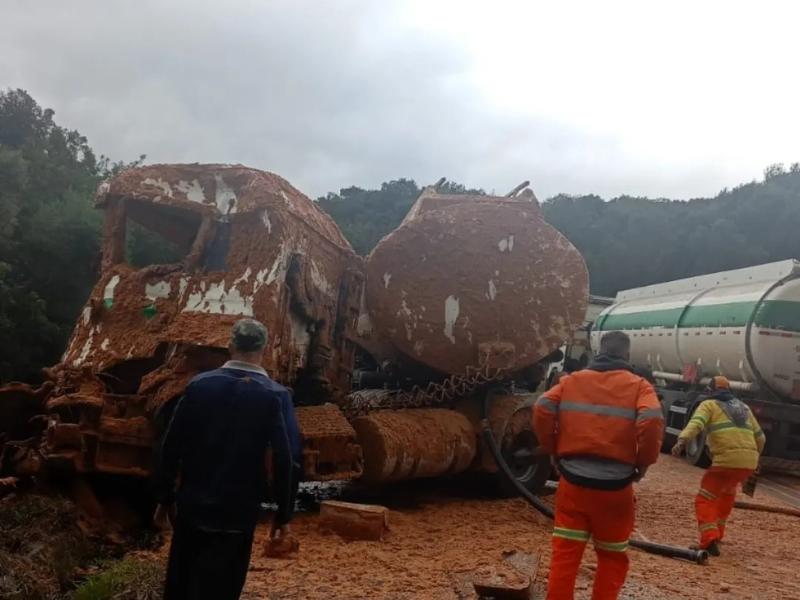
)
(389, 357)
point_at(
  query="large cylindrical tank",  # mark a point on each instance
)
(743, 324)
(462, 271)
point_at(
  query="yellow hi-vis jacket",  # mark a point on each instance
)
(731, 446)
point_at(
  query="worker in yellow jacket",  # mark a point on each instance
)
(735, 440)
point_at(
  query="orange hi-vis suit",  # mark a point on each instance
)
(603, 424)
(735, 449)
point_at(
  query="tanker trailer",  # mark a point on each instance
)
(477, 293)
(242, 242)
(743, 324)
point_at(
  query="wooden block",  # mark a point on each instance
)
(511, 580)
(507, 585)
(526, 564)
(354, 521)
(282, 547)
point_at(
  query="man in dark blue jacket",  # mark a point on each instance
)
(217, 442)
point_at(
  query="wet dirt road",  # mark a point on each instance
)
(441, 533)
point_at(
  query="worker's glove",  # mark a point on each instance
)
(678, 448)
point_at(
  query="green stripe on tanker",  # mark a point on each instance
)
(772, 314)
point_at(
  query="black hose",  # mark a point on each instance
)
(697, 556)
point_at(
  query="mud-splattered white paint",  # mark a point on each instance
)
(279, 267)
(243, 278)
(224, 196)
(106, 343)
(506, 244)
(160, 184)
(86, 315)
(492, 290)
(387, 277)
(160, 289)
(318, 279)
(193, 190)
(364, 325)
(87, 347)
(217, 300)
(451, 310)
(419, 347)
(409, 321)
(108, 292)
(265, 220)
(182, 286)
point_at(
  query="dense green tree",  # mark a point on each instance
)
(628, 242)
(49, 233)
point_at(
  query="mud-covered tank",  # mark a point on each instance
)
(464, 271)
(743, 324)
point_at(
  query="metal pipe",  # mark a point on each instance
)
(518, 189)
(697, 556)
(739, 386)
(783, 510)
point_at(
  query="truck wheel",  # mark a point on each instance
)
(697, 452)
(529, 469)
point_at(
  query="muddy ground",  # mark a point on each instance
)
(441, 534)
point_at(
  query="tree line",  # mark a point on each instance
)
(50, 232)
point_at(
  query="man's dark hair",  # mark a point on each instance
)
(616, 344)
(248, 335)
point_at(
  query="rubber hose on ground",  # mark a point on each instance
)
(698, 556)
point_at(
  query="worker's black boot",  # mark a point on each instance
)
(713, 548)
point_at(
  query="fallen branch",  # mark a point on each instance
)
(766, 508)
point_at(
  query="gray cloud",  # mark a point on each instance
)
(327, 94)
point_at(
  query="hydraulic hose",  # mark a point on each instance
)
(697, 556)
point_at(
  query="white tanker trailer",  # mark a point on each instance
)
(743, 324)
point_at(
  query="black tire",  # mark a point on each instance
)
(697, 452)
(530, 469)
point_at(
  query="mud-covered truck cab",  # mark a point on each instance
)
(244, 243)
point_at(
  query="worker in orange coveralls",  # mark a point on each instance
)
(603, 426)
(735, 440)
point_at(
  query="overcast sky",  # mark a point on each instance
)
(672, 98)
